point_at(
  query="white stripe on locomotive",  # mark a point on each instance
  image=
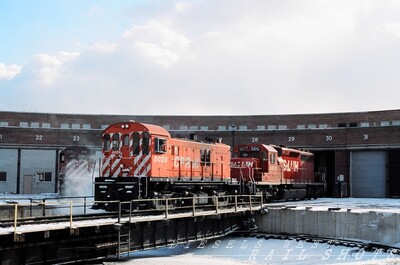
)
(142, 168)
(105, 164)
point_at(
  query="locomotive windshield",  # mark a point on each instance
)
(251, 154)
(125, 140)
(106, 142)
(115, 141)
(136, 140)
(146, 143)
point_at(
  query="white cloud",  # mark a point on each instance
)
(183, 7)
(48, 69)
(160, 55)
(158, 42)
(390, 28)
(103, 47)
(224, 57)
(8, 72)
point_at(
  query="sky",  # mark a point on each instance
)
(199, 57)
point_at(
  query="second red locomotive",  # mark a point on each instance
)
(143, 161)
(278, 172)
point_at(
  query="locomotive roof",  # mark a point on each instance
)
(274, 148)
(269, 148)
(137, 126)
(263, 146)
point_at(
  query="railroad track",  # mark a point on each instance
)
(366, 245)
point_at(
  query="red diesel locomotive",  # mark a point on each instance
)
(143, 161)
(278, 172)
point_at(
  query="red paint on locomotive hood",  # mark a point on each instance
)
(127, 148)
(272, 164)
(247, 160)
(133, 149)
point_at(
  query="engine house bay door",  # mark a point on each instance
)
(368, 174)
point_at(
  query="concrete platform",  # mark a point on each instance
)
(376, 220)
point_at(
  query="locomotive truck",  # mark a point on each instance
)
(143, 161)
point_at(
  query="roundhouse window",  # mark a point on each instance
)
(3, 176)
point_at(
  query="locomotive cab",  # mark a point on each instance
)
(127, 148)
(256, 162)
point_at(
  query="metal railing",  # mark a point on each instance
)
(33, 207)
(128, 211)
(191, 205)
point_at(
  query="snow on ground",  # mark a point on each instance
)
(365, 204)
(242, 250)
(232, 251)
(320, 204)
(354, 204)
(23, 229)
(25, 198)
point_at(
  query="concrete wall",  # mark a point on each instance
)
(8, 164)
(371, 226)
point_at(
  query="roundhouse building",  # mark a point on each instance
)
(357, 153)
